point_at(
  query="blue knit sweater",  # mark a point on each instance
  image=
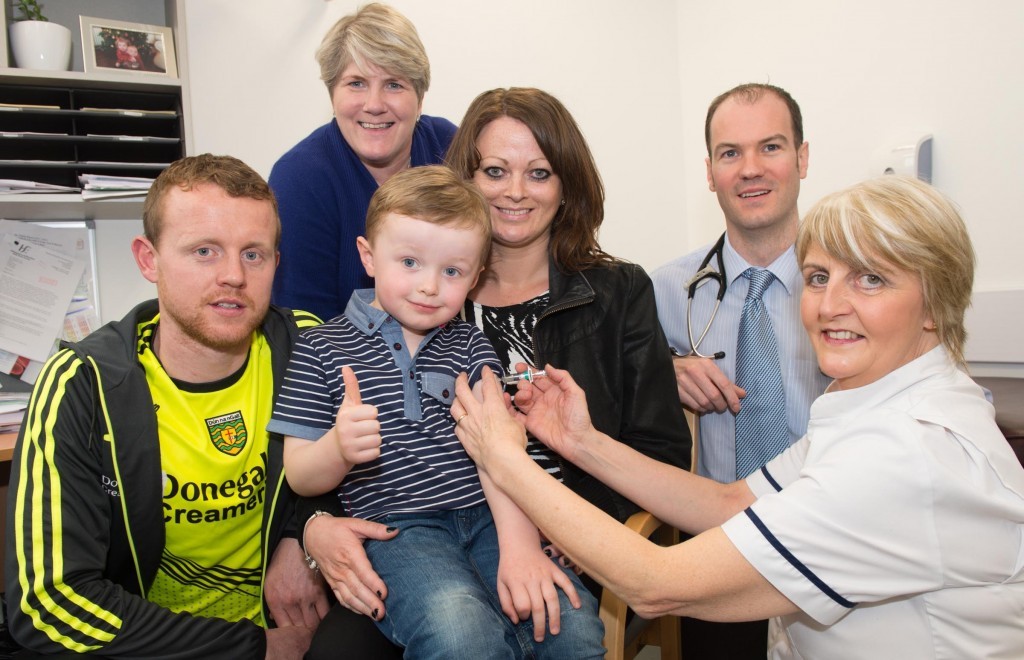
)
(323, 191)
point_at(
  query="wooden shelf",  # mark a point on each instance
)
(7, 441)
(114, 80)
(64, 206)
(144, 139)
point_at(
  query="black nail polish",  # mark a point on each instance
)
(374, 614)
(390, 529)
(547, 551)
(380, 595)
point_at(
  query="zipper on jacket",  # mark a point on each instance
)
(109, 437)
(572, 304)
(266, 550)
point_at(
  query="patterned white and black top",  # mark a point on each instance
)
(422, 466)
(510, 331)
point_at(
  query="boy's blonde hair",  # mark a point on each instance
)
(435, 194)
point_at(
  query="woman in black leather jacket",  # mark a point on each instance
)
(549, 295)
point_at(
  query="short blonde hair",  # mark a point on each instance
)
(434, 194)
(377, 35)
(903, 223)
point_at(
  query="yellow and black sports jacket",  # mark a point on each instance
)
(85, 528)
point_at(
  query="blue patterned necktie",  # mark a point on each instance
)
(761, 431)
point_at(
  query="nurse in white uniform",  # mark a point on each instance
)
(893, 529)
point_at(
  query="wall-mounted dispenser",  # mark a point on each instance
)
(912, 157)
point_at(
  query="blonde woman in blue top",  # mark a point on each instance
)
(376, 72)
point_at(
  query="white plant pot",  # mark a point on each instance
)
(41, 45)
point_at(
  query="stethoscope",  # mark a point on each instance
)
(706, 272)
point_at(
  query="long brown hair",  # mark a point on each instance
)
(574, 245)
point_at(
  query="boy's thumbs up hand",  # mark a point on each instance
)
(352, 396)
(356, 427)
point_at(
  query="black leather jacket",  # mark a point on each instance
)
(602, 326)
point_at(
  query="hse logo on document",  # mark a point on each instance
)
(227, 432)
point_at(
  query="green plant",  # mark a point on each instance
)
(30, 10)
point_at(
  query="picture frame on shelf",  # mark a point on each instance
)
(134, 49)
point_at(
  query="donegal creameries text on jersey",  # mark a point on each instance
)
(213, 451)
(197, 502)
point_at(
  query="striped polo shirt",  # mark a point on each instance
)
(422, 466)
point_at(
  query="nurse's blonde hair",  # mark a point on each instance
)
(902, 223)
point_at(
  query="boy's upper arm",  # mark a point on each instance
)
(292, 445)
(291, 442)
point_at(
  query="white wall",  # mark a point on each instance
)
(638, 77)
(866, 73)
(256, 90)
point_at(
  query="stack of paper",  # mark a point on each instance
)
(131, 112)
(99, 186)
(17, 186)
(14, 107)
(12, 410)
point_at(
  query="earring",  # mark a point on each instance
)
(563, 201)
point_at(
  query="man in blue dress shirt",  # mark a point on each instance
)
(756, 159)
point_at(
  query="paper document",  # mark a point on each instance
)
(110, 181)
(20, 186)
(108, 194)
(20, 368)
(12, 410)
(22, 106)
(100, 186)
(73, 238)
(36, 287)
(21, 134)
(131, 112)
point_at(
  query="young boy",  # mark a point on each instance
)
(365, 412)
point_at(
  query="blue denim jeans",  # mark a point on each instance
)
(442, 575)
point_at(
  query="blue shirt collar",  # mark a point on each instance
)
(370, 320)
(363, 315)
(784, 268)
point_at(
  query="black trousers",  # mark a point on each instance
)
(706, 640)
(345, 635)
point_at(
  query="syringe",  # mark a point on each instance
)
(529, 375)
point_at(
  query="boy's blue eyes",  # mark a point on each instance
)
(450, 271)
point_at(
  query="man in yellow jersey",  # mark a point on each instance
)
(147, 512)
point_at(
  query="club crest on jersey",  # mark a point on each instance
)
(228, 433)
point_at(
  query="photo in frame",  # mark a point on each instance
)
(110, 46)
